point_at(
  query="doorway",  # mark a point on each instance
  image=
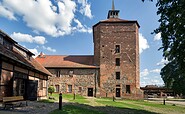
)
(118, 92)
(90, 92)
(31, 92)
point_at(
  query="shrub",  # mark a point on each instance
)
(51, 89)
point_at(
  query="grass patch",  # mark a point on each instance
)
(118, 104)
(70, 97)
(78, 98)
(71, 109)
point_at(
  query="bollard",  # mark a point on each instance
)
(74, 96)
(60, 101)
(113, 98)
(164, 101)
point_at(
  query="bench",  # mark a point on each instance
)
(11, 101)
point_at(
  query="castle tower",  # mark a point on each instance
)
(116, 52)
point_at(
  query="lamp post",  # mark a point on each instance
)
(71, 74)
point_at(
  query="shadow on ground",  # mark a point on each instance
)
(70, 108)
(79, 109)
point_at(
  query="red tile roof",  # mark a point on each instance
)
(71, 61)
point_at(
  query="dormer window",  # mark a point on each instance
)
(58, 73)
(71, 72)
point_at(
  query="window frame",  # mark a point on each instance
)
(128, 89)
(117, 48)
(58, 73)
(69, 88)
(118, 75)
(117, 62)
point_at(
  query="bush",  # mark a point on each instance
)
(51, 89)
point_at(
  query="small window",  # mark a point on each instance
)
(57, 88)
(80, 89)
(69, 90)
(117, 50)
(118, 75)
(58, 73)
(128, 89)
(117, 61)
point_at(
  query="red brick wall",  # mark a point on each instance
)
(106, 36)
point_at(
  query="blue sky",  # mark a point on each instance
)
(64, 27)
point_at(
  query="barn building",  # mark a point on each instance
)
(20, 73)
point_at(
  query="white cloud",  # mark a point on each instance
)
(81, 28)
(28, 38)
(35, 51)
(145, 72)
(162, 62)
(4, 12)
(44, 16)
(157, 37)
(49, 49)
(143, 44)
(151, 81)
(156, 71)
(85, 9)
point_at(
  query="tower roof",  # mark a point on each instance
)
(113, 13)
(113, 17)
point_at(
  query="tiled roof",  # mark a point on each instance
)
(71, 61)
(16, 56)
(117, 20)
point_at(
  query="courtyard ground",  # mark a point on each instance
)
(90, 105)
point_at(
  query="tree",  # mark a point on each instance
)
(51, 89)
(172, 29)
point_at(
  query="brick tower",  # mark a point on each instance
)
(116, 52)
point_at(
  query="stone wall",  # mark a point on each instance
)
(79, 79)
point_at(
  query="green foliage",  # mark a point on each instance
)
(51, 89)
(172, 27)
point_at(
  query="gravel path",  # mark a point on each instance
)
(32, 108)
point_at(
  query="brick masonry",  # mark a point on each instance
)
(106, 36)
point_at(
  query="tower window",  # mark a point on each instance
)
(118, 75)
(128, 89)
(117, 61)
(117, 49)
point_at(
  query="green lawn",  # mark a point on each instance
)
(106, 105)
(70, 109)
